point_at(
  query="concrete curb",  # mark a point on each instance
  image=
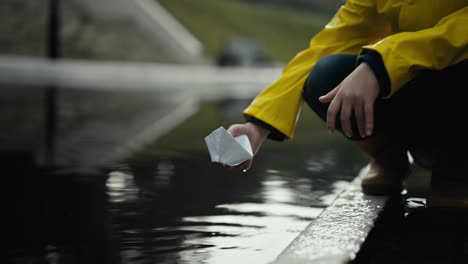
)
(337, 234)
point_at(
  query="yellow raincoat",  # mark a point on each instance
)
(408, 34)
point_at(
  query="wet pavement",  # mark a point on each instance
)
(167, 203)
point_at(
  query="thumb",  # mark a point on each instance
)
(329, 96)
(245, 166)
(236, 130)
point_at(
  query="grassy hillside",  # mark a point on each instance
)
(281, 32)
(324, 6)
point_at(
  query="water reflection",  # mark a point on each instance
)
(169, 204)
(211, 215)
(60, 217)
(121, 187)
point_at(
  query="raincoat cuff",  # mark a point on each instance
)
(275, 134)
(375, 62)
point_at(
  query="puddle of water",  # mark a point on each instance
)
(169, 204)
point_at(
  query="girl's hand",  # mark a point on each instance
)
(356, 93)
(256, 136)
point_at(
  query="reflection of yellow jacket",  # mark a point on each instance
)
(408, 34)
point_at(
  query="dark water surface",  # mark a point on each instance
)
(168, 203)
(410, 232)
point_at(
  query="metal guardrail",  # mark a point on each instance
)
(205, 81)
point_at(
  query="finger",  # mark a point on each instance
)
(345, 118)
(329, 96)
(331, 115)
(235, 130)
(369, 118)
(360, 120)
(245, 166)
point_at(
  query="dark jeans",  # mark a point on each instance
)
(426, 113)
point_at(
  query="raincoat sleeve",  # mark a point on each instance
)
(354, 25)
(435, 48)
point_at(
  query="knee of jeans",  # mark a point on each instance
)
(310, 95)
(317, 84)
(326, 74)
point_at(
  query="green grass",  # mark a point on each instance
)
(281, 32)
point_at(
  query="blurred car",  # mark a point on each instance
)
(242, 52)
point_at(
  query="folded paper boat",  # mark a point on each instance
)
(226, 149)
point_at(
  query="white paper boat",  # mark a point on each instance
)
(226, 149)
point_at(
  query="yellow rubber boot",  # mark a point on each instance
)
(388, 167)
